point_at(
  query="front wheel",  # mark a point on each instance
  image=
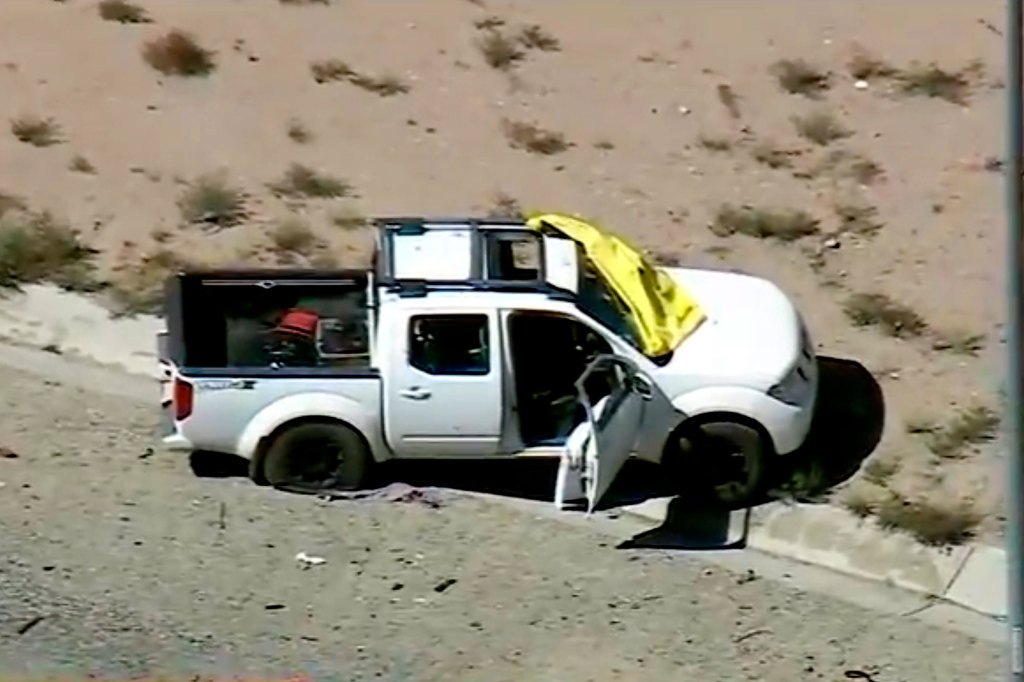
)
(728, 461)
(317, 456)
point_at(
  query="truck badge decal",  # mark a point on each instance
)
(225, 384)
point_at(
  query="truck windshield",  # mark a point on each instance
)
(597, 300)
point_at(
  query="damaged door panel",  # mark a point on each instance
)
(598, 448)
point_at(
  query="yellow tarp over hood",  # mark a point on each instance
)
(663, 314)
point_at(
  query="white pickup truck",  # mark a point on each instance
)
(485, 339)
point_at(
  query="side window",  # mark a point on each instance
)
(600, 302)
(450, 345)
(514, 257)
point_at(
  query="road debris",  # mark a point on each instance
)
(444, 585)
(7, 453)
(273, 607)
(307, 560)
(28, 625)
(394, 492)
(748, 577)
(752, 633)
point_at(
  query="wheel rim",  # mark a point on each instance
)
(317, 463)
(729, 470)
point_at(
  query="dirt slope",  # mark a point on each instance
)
(639, 91)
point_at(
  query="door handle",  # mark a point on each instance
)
(642, 388)
(415, 393)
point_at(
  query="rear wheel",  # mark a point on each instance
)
(728, 461)
(317, 456)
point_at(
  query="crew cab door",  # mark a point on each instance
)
(599, 447)
(443, 390)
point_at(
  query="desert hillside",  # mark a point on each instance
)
(847, 150)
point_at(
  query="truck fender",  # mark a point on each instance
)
(745, 402)
(312, 406)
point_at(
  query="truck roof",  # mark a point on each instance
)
(455, 298)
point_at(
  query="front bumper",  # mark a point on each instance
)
(791, 424)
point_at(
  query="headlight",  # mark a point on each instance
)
(793, 389)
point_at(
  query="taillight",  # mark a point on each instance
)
(182, 399)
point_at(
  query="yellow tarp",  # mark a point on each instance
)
(663, 314)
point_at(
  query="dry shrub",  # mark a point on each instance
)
(80, 164)
(854, 166)
(959, 342)
(865, 66)
(123, 12)
(303, 182)
(970, 426)
(177, 53)
(729, 99)
(764, 223)
(298, 132)
(800, 77)
(140, 290)
(11, 202)
(862, 497)
(858, 218)
(535, 37)
(937, 520)
(532, 138)
(500, 51)
(715, 144)
(331, 70)
(348, 218)
(820, 127)
(503, 50)
(769, 154)
(328, 70)
(210, 200)
(294, 236)
(932, 81)
(36, 131)
(879, 310)
(386, 85)
(34, 247)
(489, 23)
(505, 207)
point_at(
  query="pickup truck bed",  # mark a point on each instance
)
(231, 320)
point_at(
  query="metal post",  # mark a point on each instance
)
(1014, 337)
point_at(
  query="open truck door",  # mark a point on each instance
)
(598, 447)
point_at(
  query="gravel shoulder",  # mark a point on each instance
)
(137, 566)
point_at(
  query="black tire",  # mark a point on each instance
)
(726, 461)
(317, 456)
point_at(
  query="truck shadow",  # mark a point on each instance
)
(848, 424)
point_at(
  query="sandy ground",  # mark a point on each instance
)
(633, 88)
(119, 561)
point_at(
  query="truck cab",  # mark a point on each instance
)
(480, 338)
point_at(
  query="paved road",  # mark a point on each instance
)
(136, 566)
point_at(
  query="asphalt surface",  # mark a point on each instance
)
(117, 560)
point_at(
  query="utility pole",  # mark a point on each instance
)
(1015, 336)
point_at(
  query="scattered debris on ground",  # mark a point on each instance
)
(394, 492)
